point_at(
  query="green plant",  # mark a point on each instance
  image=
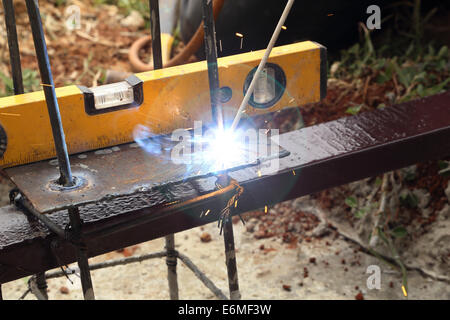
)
(358, 212)
(410, 22)
(30, 82)
(444, 168)
(413, 75)
(126, 6)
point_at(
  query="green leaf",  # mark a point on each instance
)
(444, 168)
(443, 52)
(354, 110)
(442, 164)
(378, 181)
(409, 200)
(351, 202)
(360, 213)
(399, 232)
(382, 78)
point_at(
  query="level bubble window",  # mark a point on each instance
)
(113, 95)
(269, 86)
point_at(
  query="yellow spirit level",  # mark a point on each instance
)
(163, 100)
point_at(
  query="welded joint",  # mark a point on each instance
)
(38, 286)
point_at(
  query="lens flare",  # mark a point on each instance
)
(223, 149)
(215, 151)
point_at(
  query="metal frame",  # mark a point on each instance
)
(322, 156)
(383, 140)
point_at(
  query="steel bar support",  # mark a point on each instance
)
(38, 286)
(211, 58)
(13, 45)
(109, 263)
(156, 34)
(230, 260)
(82, 257)
(202, 277)
(49, 91)
(171, 261)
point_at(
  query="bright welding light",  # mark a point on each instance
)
(215, 151)
(224, 149)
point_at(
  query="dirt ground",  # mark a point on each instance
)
(308, 248)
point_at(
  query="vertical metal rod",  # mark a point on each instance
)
(49, 91)
(211, 58)
(82, 257)
(230, 260)
(156, 34)
(13, 45)
(171, 261)
(41, 283)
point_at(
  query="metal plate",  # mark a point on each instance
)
(108, 173)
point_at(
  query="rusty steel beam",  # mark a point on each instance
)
(321, 156)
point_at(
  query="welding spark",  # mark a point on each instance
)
(240, 35)
(213, 152)
(223, 149)
(265, 209)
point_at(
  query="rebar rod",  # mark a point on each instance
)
(13, 45)
(261, 65)
(124, 261)
(23, 204)
(82, 257)
(171, 262)
(107, 264)
(50, 94)
(38, 286)
(211, 58)
(171, 259)
(155, 28)
(230, 260)
(202, 277)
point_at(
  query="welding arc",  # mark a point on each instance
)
(262, 64)
(193, 46)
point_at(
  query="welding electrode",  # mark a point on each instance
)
(262, 64)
